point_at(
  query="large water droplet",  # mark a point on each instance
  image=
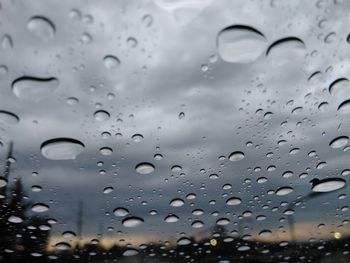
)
(15, 219)
(33, 88)
(132, 221)
(144, 168)
(234, 201)
(171, 219)
(111, 62)
(121, 211)
(240, 44)
(339, 87)
(177, 202)
(62, 148)
(40, 208)
(328, 184)
(284, 190)
(130, 252)
(236, 156)
(101, 115)
(7, 117)
(286, 50)
(41, 27)
(339, 142)
(62, 246)
(344, 107)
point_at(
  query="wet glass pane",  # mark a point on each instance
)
(174, 131)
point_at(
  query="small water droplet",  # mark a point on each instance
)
(130, 252)
(7, 117)
(106, 151)
(15, 219)
(62, 246)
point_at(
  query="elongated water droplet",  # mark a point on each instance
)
(33, 88)
(344, 107)
(240, 44)
(284, 190)
(234, 201)
(339, 142)
(327, 185)
(62, 148)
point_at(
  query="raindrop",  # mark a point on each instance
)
(339, 87)
(223, 221)
(61, 149)
(147, 20)
(106, 151)
(339, 142)
(137, 137)
(177, 202)
(40, 208)
(41, 27)
(101, 115)
(176, 168)
(132, 42)
(240, 44)
(145, 168)
(344, 107)
(284, 191)
(108, 190)
(130, 252)
(132, 221)
(37, 188)
(68, 234)
(327, 185)
(265, 233)
(3, 181)
(6, 42)
(120, 211)
(286, 50)
(181, 115)
(236, 156)
(7, 117)
(62, 246)
(15, 219)
(234, 201)
(171, 219)
(111, 62)
(184, 241)
(197, 224)
(33, 88)
(72, 101)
